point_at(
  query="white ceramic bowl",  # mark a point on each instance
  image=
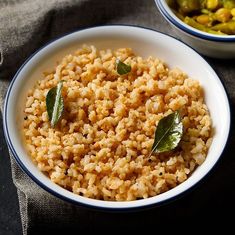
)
(216, 46)
(145, 42)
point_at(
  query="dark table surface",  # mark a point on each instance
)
(9, 208)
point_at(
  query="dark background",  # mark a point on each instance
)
(211, 202)
(9, 208)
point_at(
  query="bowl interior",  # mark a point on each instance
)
(144, 43)
(163, 4)
(170, 15)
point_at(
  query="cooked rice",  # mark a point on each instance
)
(100, 147)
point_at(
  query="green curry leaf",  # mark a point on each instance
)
(122, 68)
(168, 133)
(55, 103)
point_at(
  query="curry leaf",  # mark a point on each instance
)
(55, 103)
(122, 68)
(168, 133)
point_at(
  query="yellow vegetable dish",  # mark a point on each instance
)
(211, 16)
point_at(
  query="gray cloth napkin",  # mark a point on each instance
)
(25, 26)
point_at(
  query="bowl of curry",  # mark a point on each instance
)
(206, 25)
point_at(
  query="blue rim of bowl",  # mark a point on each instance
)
(190, 30)
(67, 199)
